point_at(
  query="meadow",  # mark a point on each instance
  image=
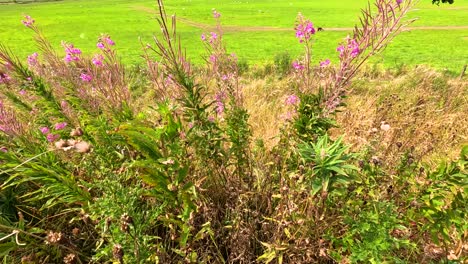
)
(237, 133)
(256, 31)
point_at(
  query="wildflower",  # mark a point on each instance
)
(340, 49)
(213, 58)
(214, 37)
(100, 45)
(97, 59)
(86, 77)
(354, 46)
(3, 149)
(60, 126)
(399, 2)
(32, 59)
(28, 22)
(211, 119)
(71, 53)
(52, 137)
(109, 41)
(292, 100)
(4, 78)
(216, 14)
(297, 66)
(44, 130)
(324, 63)
(203, 37)
(304, 29)
(219, 107)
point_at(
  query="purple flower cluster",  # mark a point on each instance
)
(220, 96)
(4, 78)
(28, 21)
(50, 136)
(352, 47)
(32, 59)
(60, 126)
(86, 77)
(324, 63)
(71, 53)
(292, 100)
(97, 60)
(298, 66)
(304, 29)
(103, 40)
(216, 14)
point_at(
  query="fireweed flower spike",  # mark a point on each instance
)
(216, 14)
(72, 53)
(97, 59)
(325, 63)
(304, 29)
(44, 130)
(32, 59)
(297, 66)
(28, 22)
(60, 126)
(86, 77)
(292, 100)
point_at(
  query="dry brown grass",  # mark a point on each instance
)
(426, 112)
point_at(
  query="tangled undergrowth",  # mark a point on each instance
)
(171, 163)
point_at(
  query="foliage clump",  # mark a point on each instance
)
(99, 164)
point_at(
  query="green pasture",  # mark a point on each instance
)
(256, 30)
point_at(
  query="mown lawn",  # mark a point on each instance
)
(255, 30)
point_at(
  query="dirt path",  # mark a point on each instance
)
(207, 27)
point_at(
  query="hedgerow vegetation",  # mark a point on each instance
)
(222, 163)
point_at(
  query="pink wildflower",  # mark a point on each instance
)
(203, 37)
(44, 130)
(399, 2)
(22, 92)
(297, 66)
(4, 78)
(28, 22)
(86, 77)
(324, 63)
(71, 53)
(60, 126)
(100, 45)
(97, 59)
(32, 59)
(109, 41)
(52, 137)
(3, 149)
(304, 29)
(216, 14)
(292, 100)
(213, 58)
(214, 36)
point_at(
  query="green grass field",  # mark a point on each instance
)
(255, 30)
